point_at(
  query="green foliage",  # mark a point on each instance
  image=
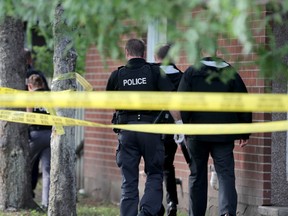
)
(43, 60)
(81, 45)
(103, 23)
(271, 63)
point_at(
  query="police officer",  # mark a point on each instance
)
(138, 75)
(31, 70)
(195, 79)
(174, 74)
(39, 140)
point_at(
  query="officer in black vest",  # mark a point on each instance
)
(138, 75)
(174, 74)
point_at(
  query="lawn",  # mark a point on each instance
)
(85, 207)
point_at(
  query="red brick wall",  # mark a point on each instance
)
(253, 163)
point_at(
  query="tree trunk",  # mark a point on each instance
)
(15, 183)
(62, 200)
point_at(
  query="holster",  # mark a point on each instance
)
(119, 118)
(115, 121)
(162, 118)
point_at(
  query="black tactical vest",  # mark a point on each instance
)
(140, 79)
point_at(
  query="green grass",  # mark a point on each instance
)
(86, 206)
(82, 210)
(103, 209)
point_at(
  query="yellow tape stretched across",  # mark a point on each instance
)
(73, 75)
(189, 129)
(59, 128)
(149, 101)
(86, 86)
(5, 90)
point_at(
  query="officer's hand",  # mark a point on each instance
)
(242, 142)
(179, 137)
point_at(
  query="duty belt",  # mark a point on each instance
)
(140, 117)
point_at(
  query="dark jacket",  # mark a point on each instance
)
(174, 74)
(195, 79)
(39, 110)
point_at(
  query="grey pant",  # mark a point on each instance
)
(223, 159)
(40, 147)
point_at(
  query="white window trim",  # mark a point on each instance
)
(154, 38)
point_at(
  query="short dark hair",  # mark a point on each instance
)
(163, 51)
(135, 47)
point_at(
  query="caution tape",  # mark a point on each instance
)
(86, 86)
(73, 75)
(59, 128)
(188, 129)
(4, 90)
(185, 101)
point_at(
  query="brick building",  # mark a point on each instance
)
(261, 167)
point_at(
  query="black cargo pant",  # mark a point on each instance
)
(223, 159)
(169, 169)
(132, 146)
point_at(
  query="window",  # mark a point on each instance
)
(155, 36)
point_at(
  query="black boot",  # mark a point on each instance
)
(171, 209)
(160, 213)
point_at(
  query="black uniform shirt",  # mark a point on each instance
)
(174, 74)
(40, 110)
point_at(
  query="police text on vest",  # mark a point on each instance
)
(135, 81)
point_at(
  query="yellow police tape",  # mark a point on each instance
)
(5, 90)
(59, 128)
(184, 101)
(73, 75)
(144, 101)
(189, 129)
